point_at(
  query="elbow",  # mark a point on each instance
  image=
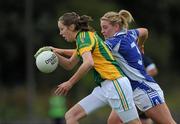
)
(90, 64)
(69, 66)
(143, 34)
(145, 30)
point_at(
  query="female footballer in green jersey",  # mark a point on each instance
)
(114, 88)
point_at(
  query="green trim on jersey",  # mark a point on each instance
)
(83, 40)
(104, 49)
(106, 67)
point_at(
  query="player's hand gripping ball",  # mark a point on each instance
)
(46, 61)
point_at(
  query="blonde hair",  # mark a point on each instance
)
(123, 18)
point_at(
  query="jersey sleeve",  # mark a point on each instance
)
(84, 42)
(134, 33)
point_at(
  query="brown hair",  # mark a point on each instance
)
(123, 18)
(81, 22)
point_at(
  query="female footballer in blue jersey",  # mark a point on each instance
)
(114, 88)
(123, 44)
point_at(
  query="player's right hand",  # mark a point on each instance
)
(63, 88)
(42, 49)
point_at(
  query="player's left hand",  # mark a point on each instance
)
(63, 88)
(42, 49)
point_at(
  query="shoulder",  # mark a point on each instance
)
(85, 41)
(84, 37)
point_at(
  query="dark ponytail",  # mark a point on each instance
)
(81, 22)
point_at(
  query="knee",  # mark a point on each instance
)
(74, 114)
(69, 116)
(110, 120)
(114, 120)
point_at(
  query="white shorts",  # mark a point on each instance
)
(147, 94)
(117, 94)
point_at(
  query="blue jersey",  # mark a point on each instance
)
(123, 46)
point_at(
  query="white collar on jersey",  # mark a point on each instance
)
(123, 31)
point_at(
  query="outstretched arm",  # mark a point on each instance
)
(64, 52)
(68, 63)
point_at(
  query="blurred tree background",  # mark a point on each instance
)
(27, 25)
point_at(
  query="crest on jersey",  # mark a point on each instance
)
(82, 37)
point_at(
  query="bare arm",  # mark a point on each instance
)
(143, 35)
(68, 63)
(87, 64)
(64, 52)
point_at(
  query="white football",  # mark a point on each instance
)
(47, 61)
